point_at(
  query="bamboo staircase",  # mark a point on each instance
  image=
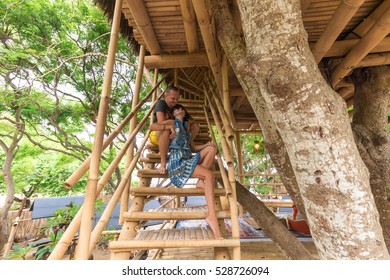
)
(134, 240)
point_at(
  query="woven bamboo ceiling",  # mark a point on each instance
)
(342, 34)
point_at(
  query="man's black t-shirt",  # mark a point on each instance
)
(161, 106)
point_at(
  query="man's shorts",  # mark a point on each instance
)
(153, 137)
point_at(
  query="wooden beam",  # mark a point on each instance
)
(189, 21)
(369, 22)
(144, 25)
(304, 5)
(164, 61)
(376, 34)
(341, 48)
(370, 60)
(336, 25)
(237, 104)
(210, 40)
(236, 91)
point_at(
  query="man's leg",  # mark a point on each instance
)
(163, 144)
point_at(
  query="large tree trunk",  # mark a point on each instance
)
(313, 123)
(234, 48)
(371, 104)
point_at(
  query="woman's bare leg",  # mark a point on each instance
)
(207, 156)
(209, 180)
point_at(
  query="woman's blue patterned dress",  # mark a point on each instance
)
(181, 162)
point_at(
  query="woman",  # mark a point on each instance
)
(182, 164)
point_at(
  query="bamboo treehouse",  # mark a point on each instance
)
(178, 40)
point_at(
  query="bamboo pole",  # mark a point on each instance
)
(239, 158)
(376, 34)
(167, 61)
(79, 172)
(144, 25)
(155, 92)
(124, 246)
(146, 191)
(343, 14)
(210, 40)
(104, 219)
(133, 123)
(137, 216)
(224, 117)
(229, 135)
(233, 197)
(228, 158)
(70, 232)
(89, 200)
(189, 21)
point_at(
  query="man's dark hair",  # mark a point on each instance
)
(171, 88)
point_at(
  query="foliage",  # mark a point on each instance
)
(52, 72)
(19, 252)
(57, 225)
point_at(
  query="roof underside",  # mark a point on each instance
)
(173, 39)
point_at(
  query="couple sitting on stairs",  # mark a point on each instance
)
(173, 128)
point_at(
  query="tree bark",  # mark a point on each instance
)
(6, 171)
(234, 48)
(313, 123)
(369, 124)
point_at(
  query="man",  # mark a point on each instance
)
(163, 128)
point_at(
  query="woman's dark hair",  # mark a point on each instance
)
(178, 106)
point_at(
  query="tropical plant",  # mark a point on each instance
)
(19, 252)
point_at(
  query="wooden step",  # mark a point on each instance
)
(157, 191)
(172, 214)
(153, 173)
(172, 238)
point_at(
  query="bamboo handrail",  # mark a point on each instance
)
(89, 200)
(83, 168)
(104, 219)
(224, 117)
(70, 232)
(228, 158)
(376, 34)
(144, 25)
(225, 179)
(340, 19)
(189, 21)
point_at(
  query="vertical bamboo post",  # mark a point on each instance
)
(155, 92)
(89, 200)
(133, 124)
(100, 226)
(240, 166)
(225, 95)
